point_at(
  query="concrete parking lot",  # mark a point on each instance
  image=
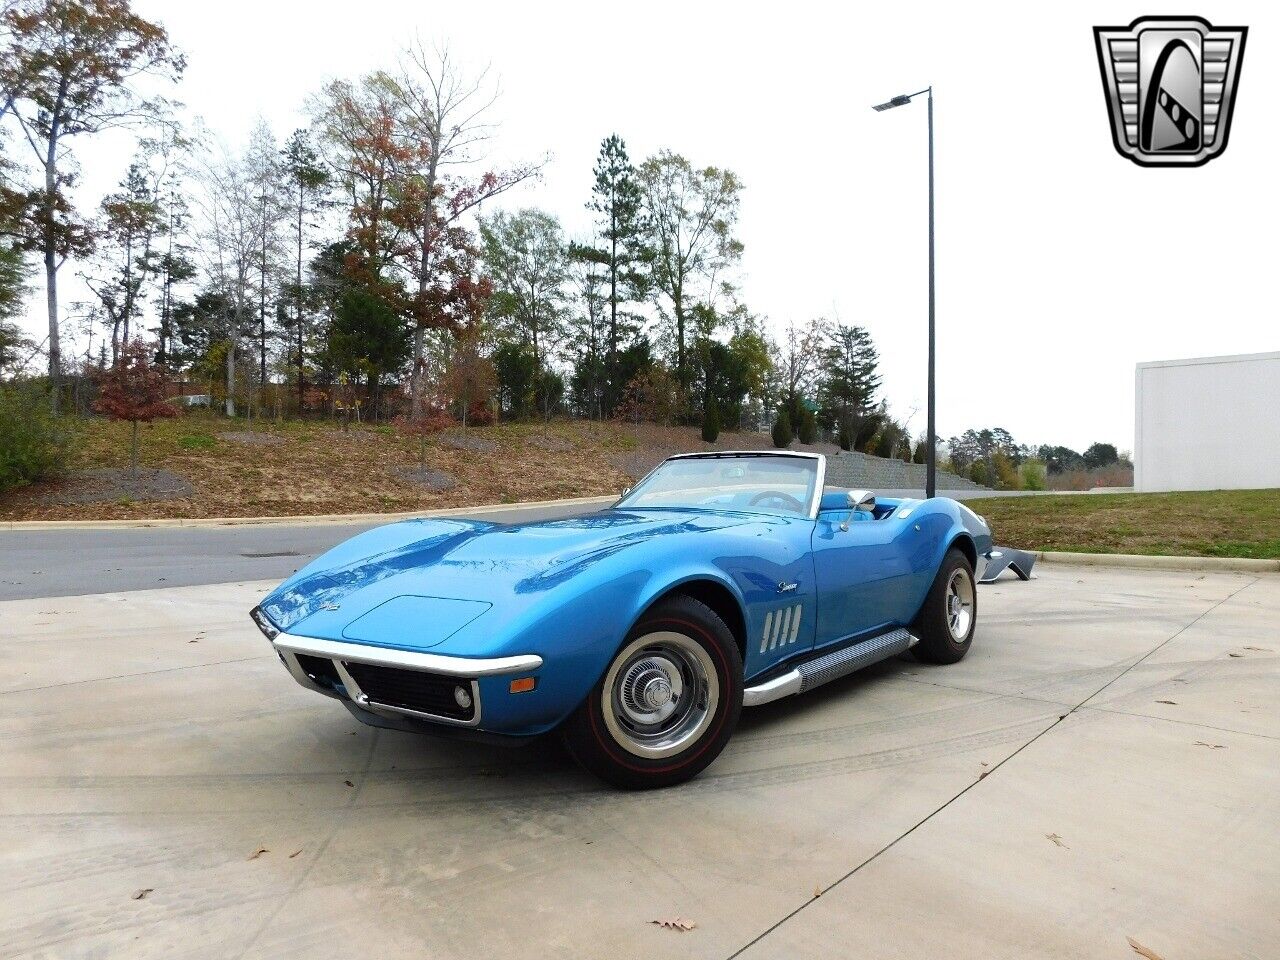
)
(1104, 765)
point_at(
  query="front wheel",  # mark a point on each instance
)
(946, 622)
(667, 703)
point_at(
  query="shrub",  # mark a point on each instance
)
(1033, 475)
(845, 436)
(33, 444)
(808, 427)
(710, 419)
(781, 432)
(919, 455)
(978, 472)
(1006, 474)
(480, 414)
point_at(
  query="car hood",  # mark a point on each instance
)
(416, 583)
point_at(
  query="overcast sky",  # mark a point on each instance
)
(1060, 264)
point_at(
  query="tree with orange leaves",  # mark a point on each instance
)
(133, 390)
(443, 123)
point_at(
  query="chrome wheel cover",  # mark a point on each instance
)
(960, 596)
(660, 694)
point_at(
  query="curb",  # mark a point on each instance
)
(1160, 562)
(297, 521)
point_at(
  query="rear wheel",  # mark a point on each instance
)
(947, 620)
(667, 703)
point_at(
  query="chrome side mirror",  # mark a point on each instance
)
(863, 500)
(624, 492)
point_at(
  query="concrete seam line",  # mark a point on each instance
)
(986, 777)
(302, 520)
(1161, 561)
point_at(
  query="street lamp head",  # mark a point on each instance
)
(899, 101)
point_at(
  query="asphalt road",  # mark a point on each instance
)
(1104, 765)
(76, 561)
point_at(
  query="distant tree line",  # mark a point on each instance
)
(366, 263)
(993, 458)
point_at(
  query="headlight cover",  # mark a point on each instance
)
(269, 629)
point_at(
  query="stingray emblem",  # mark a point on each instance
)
(1170, 84)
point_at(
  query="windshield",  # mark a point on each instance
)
(764, 484)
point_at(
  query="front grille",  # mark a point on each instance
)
(412, 690)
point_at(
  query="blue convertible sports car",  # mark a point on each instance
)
(721, 580)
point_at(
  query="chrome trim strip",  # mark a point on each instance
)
(855, 657)
(373, 706)
(818, 486)
(407, 659)
(775, 689)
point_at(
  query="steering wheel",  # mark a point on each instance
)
(778, 495)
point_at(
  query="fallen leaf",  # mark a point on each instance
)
(817, 891)
(257, 853)
(1143, 951)
(1211, 746)
(1057, 840)
(1172, 703)
(1237, 655)
(1262, 649)
(348, 783)
(139, 894)
(295, 853)
(676, 923)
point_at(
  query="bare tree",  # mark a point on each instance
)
(228, 226)
(263, 169)
(443, 127)
(798, 359)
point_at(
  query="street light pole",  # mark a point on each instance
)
(931, 443)
(931, 437)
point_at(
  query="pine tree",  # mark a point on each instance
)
(617, 202)
(307, 180)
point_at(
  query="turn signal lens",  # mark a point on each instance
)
(524, 684)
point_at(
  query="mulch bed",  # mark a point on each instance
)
(426, 477)
(253, 439)
(114, 485)
(462, 441)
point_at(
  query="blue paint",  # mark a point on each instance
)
(569, 590)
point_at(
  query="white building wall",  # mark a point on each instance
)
(1209, 423)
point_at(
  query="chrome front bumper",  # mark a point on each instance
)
(340, 653)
